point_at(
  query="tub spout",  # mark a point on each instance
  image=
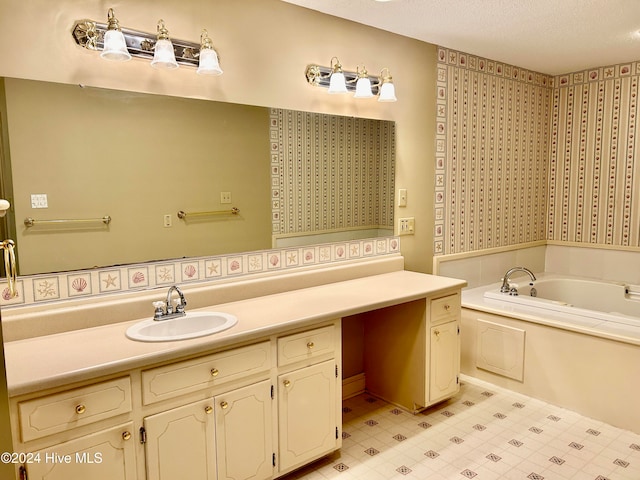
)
(505, 288)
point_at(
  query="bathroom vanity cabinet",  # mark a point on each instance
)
(412, 351)
(255, 402)
(252, 412)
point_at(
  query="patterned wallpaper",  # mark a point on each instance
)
(492, 155)
(594, 173)
(330, 172)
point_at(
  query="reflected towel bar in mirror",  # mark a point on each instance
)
(30, 222)
(234, 211)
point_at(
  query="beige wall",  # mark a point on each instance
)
(264, 47)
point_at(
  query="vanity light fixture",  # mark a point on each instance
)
(363, 85)
(120, 43)
(387, 89)
(115, 46)
(163, 54)
(208, 64)
(338, 80)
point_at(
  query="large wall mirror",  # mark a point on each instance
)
(73, 153)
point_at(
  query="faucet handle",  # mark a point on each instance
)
(158, 311)
(179, 306)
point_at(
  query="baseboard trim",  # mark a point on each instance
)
(352, 386)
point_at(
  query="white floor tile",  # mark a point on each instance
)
(485, 432)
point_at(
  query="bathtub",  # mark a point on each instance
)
(576, 344)
(595, 299)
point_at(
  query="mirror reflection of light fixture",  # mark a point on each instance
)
(117, 43)
(163, 56)
(360, 82)
(115, 46)
(208, 62)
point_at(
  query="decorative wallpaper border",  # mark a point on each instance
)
(597, 74)
(110, 280)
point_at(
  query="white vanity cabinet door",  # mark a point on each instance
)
(244, 433)
(307, 414)
(444, 361)
(180, 443)
(105, 455)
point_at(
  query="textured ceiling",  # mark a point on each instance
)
(547, 36)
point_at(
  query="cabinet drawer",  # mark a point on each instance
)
(306, 345)
(445, 309)
(193, 375)
(61, 411)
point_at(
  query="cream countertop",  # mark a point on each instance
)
(49, 361)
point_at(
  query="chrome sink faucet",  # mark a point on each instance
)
(164, 310)
(506, 288)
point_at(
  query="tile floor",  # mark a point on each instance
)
(485, 432)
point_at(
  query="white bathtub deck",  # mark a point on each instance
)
(624, 332)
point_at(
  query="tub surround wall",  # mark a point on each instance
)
(489, 266)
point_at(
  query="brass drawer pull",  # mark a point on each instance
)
(447, 307)
(310, 345)
(224, 405)
(80, 409)
(208, 409)
(214, 372)
(126, 435)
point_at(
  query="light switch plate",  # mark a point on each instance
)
(402, 197)
(406, 226)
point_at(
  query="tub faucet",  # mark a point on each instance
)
(505, 288)
(168, 312)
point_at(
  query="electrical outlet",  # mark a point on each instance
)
(225, 197)
(39, 200)
(167, 220)
(406, 226)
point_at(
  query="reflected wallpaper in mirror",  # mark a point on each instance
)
(296, 178)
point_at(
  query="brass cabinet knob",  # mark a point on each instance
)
(436, 333)
(310, 345)
(126, 435)
(80, 409)
(208, 409)
(447, 307)
(286, 383)
(224, 405)
(214, 372)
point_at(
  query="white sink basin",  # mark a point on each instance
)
(192, 325)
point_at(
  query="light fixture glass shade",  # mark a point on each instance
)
(363, 88)
(164, 56)
(337, 83)
(208, 63)
(115, 46)
(387, 93)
